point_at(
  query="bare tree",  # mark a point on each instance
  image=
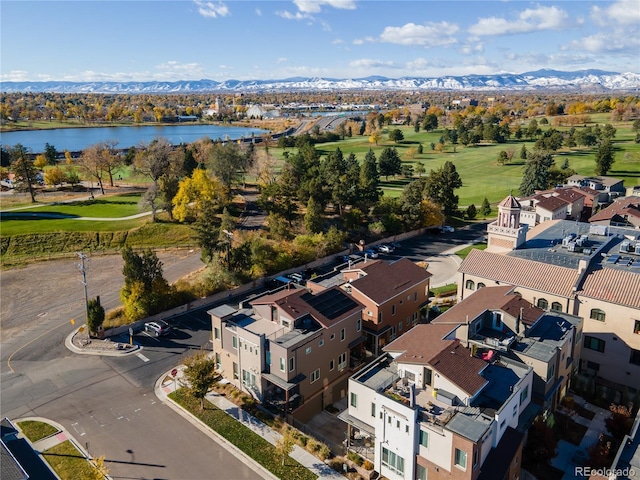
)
(154, 161)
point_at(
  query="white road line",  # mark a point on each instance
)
(142, 357)
(79, 430)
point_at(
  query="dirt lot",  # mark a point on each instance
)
(53, 290)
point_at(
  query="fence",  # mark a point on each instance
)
(338, 449)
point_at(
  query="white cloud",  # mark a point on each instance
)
(428, 35)
(610, 42)
(315, 6)
(281, 60)
(212, 10)
(287, 15)
(15, 76)
(471, 48)
(529, 20)
(258, 12)
(367, 63)
(622, 12)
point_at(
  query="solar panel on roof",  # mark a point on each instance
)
(613, 258)
(331, 303)
(636, 265)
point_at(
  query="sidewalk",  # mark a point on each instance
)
(51, 441)
(163, 389)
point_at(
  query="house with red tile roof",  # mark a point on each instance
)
(588, 271)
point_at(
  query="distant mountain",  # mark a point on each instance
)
(581, 80)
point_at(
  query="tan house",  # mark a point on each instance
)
(584, 270)
(291, 349)
(393, 295)
(624, 212)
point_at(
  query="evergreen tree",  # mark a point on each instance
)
(486, 207)
(471, 212)
(313, 217)
(51, 154)
(24, 170)
(441, 186)
(389, 163)
(95, 315)
(207, 228)
(523, 152)
(536, 172)
(370, 191)
(604, 158)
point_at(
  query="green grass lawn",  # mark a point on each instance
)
(479, 170)
(113, 206)
(35, 430)
(68, 462)
(465, 251)
(244, 438)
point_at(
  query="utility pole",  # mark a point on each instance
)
(83, 269)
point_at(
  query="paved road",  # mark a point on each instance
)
(108, 402)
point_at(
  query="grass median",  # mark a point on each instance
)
(35, 430)
(243, 438)
(69, 463)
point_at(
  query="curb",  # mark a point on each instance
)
(223, 442)
(61, 429)
(68, 342)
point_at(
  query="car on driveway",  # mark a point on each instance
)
(157, 328)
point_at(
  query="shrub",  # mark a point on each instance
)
(355, 458)
(367, 465)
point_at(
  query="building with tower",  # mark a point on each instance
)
(507, 233)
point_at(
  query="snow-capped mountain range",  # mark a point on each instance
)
(582, 80)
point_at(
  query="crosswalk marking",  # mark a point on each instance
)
(142, 357)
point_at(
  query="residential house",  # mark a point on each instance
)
(393, 294)
(624, 212)
(589, 271)
(430, 409)
(614, 187)
(559, 203)
(496, 320)
(291, 349)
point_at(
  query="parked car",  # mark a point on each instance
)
(384, 248)
(395, 245)
(157, 328)
(371, 253)
(448, 229)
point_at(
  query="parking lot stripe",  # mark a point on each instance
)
(142, 357)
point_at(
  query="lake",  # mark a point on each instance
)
(76, 139)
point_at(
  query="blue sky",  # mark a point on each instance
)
(123, 40)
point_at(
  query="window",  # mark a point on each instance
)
(234, 342)
(461, 459)
(282, 363)
(556, 307)
(321, 342)
(315, 375)
(424, 438)
(400, 326)
(216, 333)
(248, 378)
(331, 365)
(342, 335)
(524, 394)
(333, 335)
(398, 424)
(342, 361)
(373, 409)
(235, 371)
(393, 462)
(551, 372)
(358, 325)
(421, 473)
(470, 285)
(498, 317)
(393, 309)
(481, 285)
(268, 354)
(218, 364)
(593, 343)
(634, 357)
(543, 304)
(354, 400)
(597, 314)
(308, 350)
(285, 323)
(475, 459)
(593, 367)
(636, 327)
(292, 364)
(415, 296)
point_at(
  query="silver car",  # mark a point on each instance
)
(157, 328)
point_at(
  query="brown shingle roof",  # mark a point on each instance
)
(613, 285)
(421, 344)
(460, 367)
(384, 281)
(551, 203)
(491, 298)
(425, 345)
(539, 276)
(622, 206)
(510, 202)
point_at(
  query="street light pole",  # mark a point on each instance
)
(82, 268)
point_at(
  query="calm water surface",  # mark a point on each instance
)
(75, 139)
